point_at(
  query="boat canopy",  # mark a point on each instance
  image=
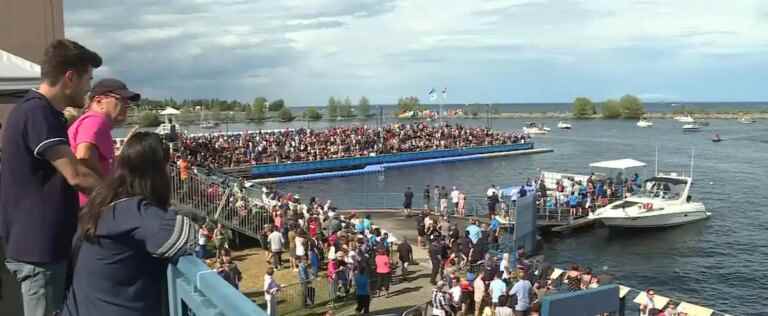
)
(170, 111)
(618, 164)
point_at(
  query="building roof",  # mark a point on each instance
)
(618, 164)
(17, 73)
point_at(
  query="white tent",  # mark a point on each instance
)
(17, 74)
(618, 164)
(170, 111)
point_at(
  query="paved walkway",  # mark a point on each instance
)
(403, 295)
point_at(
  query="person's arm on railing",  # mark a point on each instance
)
(166, 233)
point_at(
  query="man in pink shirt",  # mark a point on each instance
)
(90, 136)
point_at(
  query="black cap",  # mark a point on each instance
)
(105, 86)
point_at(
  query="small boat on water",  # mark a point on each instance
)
(716, 138)
(684, 118)
(746, 120)
(692, 127)
(208, 124)
(564, 125)
(535, 128)
(663, 201)
(643, 123)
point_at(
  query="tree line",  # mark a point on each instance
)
(258, 110)
(628, 107)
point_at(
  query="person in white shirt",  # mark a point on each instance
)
(455, 200)
(522, 289)
(276, 244)
(271, 288)
(492, 190)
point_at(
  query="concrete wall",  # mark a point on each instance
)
(27, 26)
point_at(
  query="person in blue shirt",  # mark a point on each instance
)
(367, 222)
(362, 290)
(573, 203)
(474, 232)
(305, 279)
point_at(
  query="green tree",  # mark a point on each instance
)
(408, 104)
(332, 109)
(285, 115)
(631, 107)
(583, 107)
(149, 119)
(364, 107)
(276, 105)
(345, 110)
(260, 102)
(611, 109)
(312, 114)
(257, 110)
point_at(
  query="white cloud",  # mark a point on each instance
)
(304, 51)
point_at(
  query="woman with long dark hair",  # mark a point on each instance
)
(127, 234)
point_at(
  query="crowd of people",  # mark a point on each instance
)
(354, 254)
(293, 145)
(583, 197)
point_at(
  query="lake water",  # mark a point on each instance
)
(720, 262)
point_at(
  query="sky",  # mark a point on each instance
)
(480, 51)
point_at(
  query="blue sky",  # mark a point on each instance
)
(482, 51)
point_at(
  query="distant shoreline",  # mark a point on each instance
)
(650, 115)
(239, 117)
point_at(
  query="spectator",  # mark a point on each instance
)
(382, 272)
(127, 235)
(90, 136)
(40, 176)
(407, 201)
(220, 239)
(440, 302)
(479, 293)
(362, 291)
(405, 254)
(455, 200)
(305, 279)
(522, 290)
(271, 289)
(276, 243)
(497, 289)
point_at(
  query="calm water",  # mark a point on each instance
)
(720, 262)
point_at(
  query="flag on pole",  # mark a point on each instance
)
(445, 93)
(431, 94)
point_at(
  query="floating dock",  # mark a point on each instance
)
(381, 167)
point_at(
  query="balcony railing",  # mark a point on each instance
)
(194, 289)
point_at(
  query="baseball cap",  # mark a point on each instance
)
(115, 86)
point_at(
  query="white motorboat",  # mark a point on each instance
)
(535, 128)
(684, 118)
(564, 125)
(747, 120)
(663, 201)
(208, 124)
(167, 128)
(692, 127)
(644, 123)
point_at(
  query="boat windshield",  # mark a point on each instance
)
(663, 188)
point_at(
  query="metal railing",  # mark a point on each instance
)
(194, 289)
(221, 199)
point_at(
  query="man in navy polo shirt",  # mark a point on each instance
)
(38, 204)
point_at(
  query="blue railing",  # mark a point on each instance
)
(342, 163)
(194, 289)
